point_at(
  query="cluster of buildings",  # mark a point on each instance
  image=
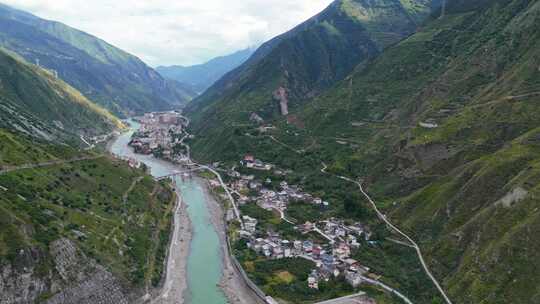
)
(268, 197)
(332, 253)
(251, 162)
(104, 137)
(159, 133)
(332, 259)
(337, 231)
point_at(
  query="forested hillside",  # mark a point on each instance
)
(75, 226)
(443, 128)
(103, 73)
(292, 68)
(34, 102)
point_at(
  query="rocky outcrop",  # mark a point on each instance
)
(63, 275)
(424, 157)
(18, 280)
(87, 282)
(512, 197)
(280, 95)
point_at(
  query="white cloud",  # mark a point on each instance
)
(164, 32)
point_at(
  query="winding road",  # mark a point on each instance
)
(397, 230)
(227, 191)
(387, 288)
(380, 215)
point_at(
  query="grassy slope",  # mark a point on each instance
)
(113, 78)
(18, 149)
(33, 100)
(460, 71)
(129, 238)
(304, 61)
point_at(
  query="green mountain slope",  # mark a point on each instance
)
(103, 73)
(34, 102)
(80, 231)
(444, 130)
(75, 226)
(202, 76)
(302, 63)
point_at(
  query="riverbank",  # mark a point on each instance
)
(232, 284)
(199, 268)
(175, 289)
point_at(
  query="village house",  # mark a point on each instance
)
(214, 183)
(353, 278)
(250, 224)
(313, 281)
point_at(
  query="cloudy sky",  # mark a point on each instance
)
(165, 32)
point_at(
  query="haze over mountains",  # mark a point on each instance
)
(200, 77)
(302, 63)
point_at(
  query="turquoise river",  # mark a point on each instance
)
(204, 267)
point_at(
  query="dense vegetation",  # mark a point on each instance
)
(111, 77)
(443, 128)
(286, 278)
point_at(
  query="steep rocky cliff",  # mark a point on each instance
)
(73, 278)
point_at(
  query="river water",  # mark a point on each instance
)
(204, 268)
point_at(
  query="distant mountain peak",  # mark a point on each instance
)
(202, 76)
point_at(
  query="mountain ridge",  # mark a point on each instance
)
(298, 65)
(202, 76)
(443, 130)
(107, 75)
(35, 102)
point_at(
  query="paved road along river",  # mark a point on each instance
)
(204, 267)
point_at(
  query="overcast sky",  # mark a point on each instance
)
(165, 32)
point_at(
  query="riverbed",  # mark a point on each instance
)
(205, 260)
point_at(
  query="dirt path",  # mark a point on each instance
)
(131, 187)
(49, 163)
